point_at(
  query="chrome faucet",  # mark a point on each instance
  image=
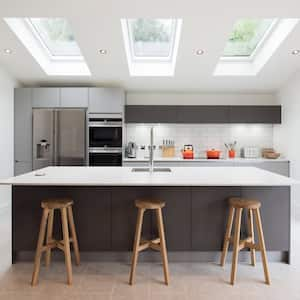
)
(151, 154)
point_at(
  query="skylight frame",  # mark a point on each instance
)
(249, 58)
(52, 66)
(237, 67)
(44, 45)
(152, 58)
(151, 66)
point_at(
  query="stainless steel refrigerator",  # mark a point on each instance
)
(59, 137)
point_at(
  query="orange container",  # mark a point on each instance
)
(231, 153)
(213, 154)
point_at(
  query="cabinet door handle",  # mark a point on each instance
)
(17, 161)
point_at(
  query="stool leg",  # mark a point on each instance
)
(49, 236)
(251, 234)
(262, 245)
(39, 249)
(236, 242)
(74, 235)
(227, 235)
(163, 248)
(66, 240)
(137, 239)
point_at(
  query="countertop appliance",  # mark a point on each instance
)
(250, 152)
(188, 152)
(131, 150)
(213, 154)
(105, 139)
(59, 137)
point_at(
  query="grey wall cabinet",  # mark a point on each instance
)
(22, 130)
(255, 114)
(106, 100)
(45, 97)
(202, 114)
(150, 114)
(74, 97)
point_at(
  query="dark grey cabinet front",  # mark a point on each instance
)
(202, 114)
(150, 114)
(197, 114)
(209, 216)
(255, 114)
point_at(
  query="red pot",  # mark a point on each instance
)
(213, 154)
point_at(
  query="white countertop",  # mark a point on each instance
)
(226, 160)
(123, 176)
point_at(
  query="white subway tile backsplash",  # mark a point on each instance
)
(203, 136)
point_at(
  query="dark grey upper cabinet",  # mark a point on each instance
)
(198, 114)
(202, 114)
(255, 114)
(150, 114)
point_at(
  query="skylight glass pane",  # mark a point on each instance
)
(152, 38)
(56, 35)
(246, 36)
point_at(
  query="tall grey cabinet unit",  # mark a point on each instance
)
(74, 97)
(106, 100)
(23, 130)
(45, 97)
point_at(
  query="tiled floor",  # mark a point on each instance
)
(109, 281)
(188, 281)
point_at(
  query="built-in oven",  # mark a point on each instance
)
(105, 132)
(105, 157)
(105, 140)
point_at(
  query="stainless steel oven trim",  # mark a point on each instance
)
(105, 150)
(105, 124)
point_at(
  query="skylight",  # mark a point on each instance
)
(56, 35)
(251, 44)
(151, 45)
(52, 43)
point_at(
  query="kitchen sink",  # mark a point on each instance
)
(148, 170)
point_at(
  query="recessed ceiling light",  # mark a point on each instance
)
(296, 52)
(199, 52)
(7, 51)
(103, 51)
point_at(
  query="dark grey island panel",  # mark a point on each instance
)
(105, 217)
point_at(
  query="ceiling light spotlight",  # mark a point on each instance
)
(7, 51)
(199, 52)
(103, 51)
(296, 52)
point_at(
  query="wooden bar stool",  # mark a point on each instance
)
(158, 244)
(65, 207)
(252, 208)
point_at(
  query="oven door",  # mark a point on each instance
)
(105, 158)
(105, 136)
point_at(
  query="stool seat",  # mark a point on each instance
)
(56, 203)
(243, 203)
(149, 203)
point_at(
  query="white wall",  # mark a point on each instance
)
(149, 98)
(287, 141)
(7, 84)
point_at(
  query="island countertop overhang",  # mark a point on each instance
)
(123, 176)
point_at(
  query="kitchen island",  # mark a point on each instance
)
(195, 213)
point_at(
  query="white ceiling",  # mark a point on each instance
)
(206, 25)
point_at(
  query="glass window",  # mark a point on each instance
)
(56, 35)
(152, 38)
(246, 36)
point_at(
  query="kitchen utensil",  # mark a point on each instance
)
(231, 153)
(188, 152)
(213, 154)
